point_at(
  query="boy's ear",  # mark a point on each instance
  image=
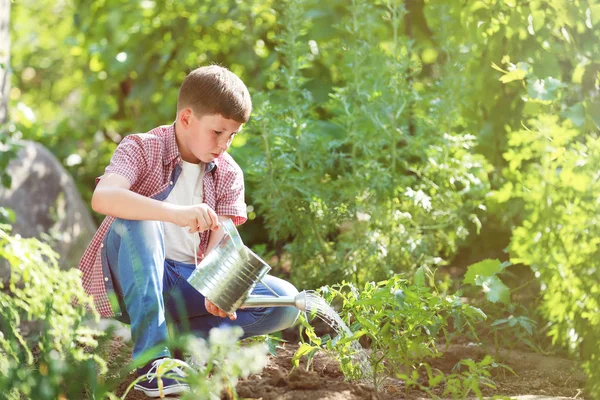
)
(185, 117)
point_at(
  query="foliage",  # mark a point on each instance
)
(349, 206)
(380, 127)
(8, 151)
(510, 323)
(402, 323)
(56, 359)
(553, 171)
(468, 379)
(485, 274)
(224, 361)
(216, 364)
(308, 349)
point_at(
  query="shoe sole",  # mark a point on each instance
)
(174, 389)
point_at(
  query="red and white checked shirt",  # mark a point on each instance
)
(148, 161)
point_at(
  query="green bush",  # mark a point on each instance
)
(56, 359)
(375, 187)
(552, 173)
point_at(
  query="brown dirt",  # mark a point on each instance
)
(536, 375)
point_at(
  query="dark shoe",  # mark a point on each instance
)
(172, 379)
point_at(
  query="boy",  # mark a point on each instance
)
(164, 195)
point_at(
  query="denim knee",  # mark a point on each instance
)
(141, 230)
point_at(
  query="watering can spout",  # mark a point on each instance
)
(301, 301)
(298, 301)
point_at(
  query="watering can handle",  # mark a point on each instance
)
(268, 287)
(229, 228)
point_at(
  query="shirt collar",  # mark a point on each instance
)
(173, 151)
(171, 143)
(212, 165)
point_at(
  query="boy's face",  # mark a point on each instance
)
(205, 138)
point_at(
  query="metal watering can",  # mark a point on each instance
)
(229, 273)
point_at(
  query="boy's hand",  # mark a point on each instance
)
(197, 217)
(216, 311)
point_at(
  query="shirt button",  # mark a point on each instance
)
(101, 244)
(106, 278)
(171, 183)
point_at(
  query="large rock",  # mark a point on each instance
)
(47, 204)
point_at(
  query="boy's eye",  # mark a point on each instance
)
(218, 132)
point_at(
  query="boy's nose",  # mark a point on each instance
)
(225, 143)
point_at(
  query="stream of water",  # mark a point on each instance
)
(316, 304)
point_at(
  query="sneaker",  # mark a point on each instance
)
(171, 383)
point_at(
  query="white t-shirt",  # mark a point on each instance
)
(180, 245)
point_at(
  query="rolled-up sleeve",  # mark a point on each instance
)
(129, 160)
(231, 196)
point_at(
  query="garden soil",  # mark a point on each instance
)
(537, 377)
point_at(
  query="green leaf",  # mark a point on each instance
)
(543, 89)
(494, 289)
(516, 73)
(400, 297)
(271, 346)
(5, 180)
(485, 268)
(7, 215)
(538, 18)
(419, 278)
(592, 109)
(477, 313)
(355, 336)
(576, 113)
(303, 350)
(595, 14)
(499, 322)
(527, 324)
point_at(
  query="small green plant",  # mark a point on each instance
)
(270, 341)
(401, 323)
(215, 364)
(220, 361)
(308, 348)
(467, 378)
(512, 324)
(514, 329)
(470, 376)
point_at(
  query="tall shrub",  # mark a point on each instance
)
(385, 180)
(553, 174)
(46, 352)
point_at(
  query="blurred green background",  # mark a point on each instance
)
(388, 137)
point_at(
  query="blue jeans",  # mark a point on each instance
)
(153, 292)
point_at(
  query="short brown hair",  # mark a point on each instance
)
(215, 90)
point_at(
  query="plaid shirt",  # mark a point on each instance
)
(152, 163)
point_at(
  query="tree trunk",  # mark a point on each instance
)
(4, 59)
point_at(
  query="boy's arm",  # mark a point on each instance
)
(113, 197)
